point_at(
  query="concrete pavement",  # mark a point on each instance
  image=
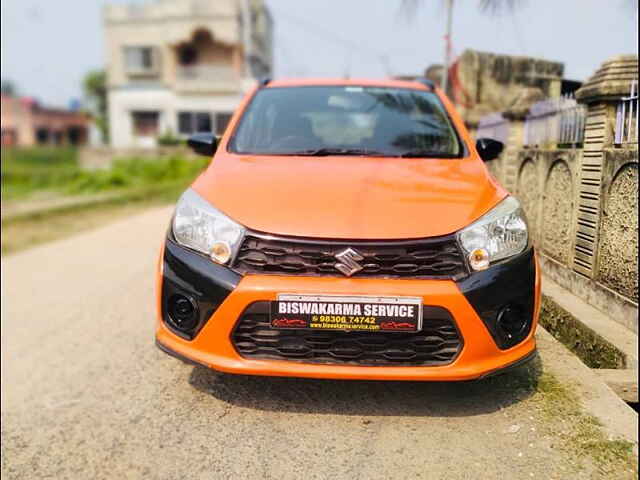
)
(85, 394)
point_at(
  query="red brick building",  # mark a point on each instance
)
(26, 123)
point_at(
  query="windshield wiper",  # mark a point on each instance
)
(426, 154)
(321, 152)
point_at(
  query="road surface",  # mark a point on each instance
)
(86, 394)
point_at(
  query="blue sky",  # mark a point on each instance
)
(47, 45)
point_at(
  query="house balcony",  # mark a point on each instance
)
(203, 78)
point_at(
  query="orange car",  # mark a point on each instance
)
(348, 229)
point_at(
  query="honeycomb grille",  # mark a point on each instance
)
(431, 258)
(438, 343)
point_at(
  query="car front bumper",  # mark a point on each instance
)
(222, 296)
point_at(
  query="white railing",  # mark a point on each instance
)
(494, 126)
(627, 117)
(572, 121)
(555, 121)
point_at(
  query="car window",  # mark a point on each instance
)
(390, 121)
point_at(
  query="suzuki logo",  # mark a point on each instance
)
(348, 261)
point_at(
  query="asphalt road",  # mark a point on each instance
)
(85, 393)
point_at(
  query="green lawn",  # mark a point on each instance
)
(46, 196)
(26, 172)
(30, 170)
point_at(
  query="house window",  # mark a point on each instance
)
(185, 123)
(145, 124)
(222, 120)
(140, 60)
(42, 135)
(202, 122)
(187, 55)
(194, 122)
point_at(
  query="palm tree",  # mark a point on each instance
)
(493, 7)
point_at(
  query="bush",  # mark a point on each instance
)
(133, 172)
(168, 139)
(28, 170)
(39, 156)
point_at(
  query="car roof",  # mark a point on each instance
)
(356, 82)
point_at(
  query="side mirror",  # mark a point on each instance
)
(203, 143)
(488, 149)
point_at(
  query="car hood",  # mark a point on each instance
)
(346, 197)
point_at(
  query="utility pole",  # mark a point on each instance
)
(246, 36)
(447, 46)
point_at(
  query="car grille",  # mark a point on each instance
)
(438, 343)
(429, 258)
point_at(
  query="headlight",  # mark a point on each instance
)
(199, 226)
(499, 234)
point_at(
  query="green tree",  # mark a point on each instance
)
(8, 88)
(95, 91)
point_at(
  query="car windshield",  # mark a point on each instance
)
(346, 120)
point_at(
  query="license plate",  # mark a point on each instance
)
(351, 313)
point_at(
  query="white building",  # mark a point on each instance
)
(179, 66)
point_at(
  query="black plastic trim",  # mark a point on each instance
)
(203, 143)
(426, 82)
(174, 354)
(262, 308)
(512, 366)
(355, 243)
(351, 242)
(198, 278)
(508, 283)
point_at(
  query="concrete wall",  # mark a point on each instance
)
(582, 202)
(167, 103)
(163, 25)
(214, 82)
(483, 82)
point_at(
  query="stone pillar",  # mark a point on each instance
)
(601, 94)
(516, 114)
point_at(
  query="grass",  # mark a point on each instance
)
(561, 417)
(27, 170)
(23, 232)
(32, 170)
(18, 236)
(591, 348)
(137, 172)
(62, 199)
(577, 433)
